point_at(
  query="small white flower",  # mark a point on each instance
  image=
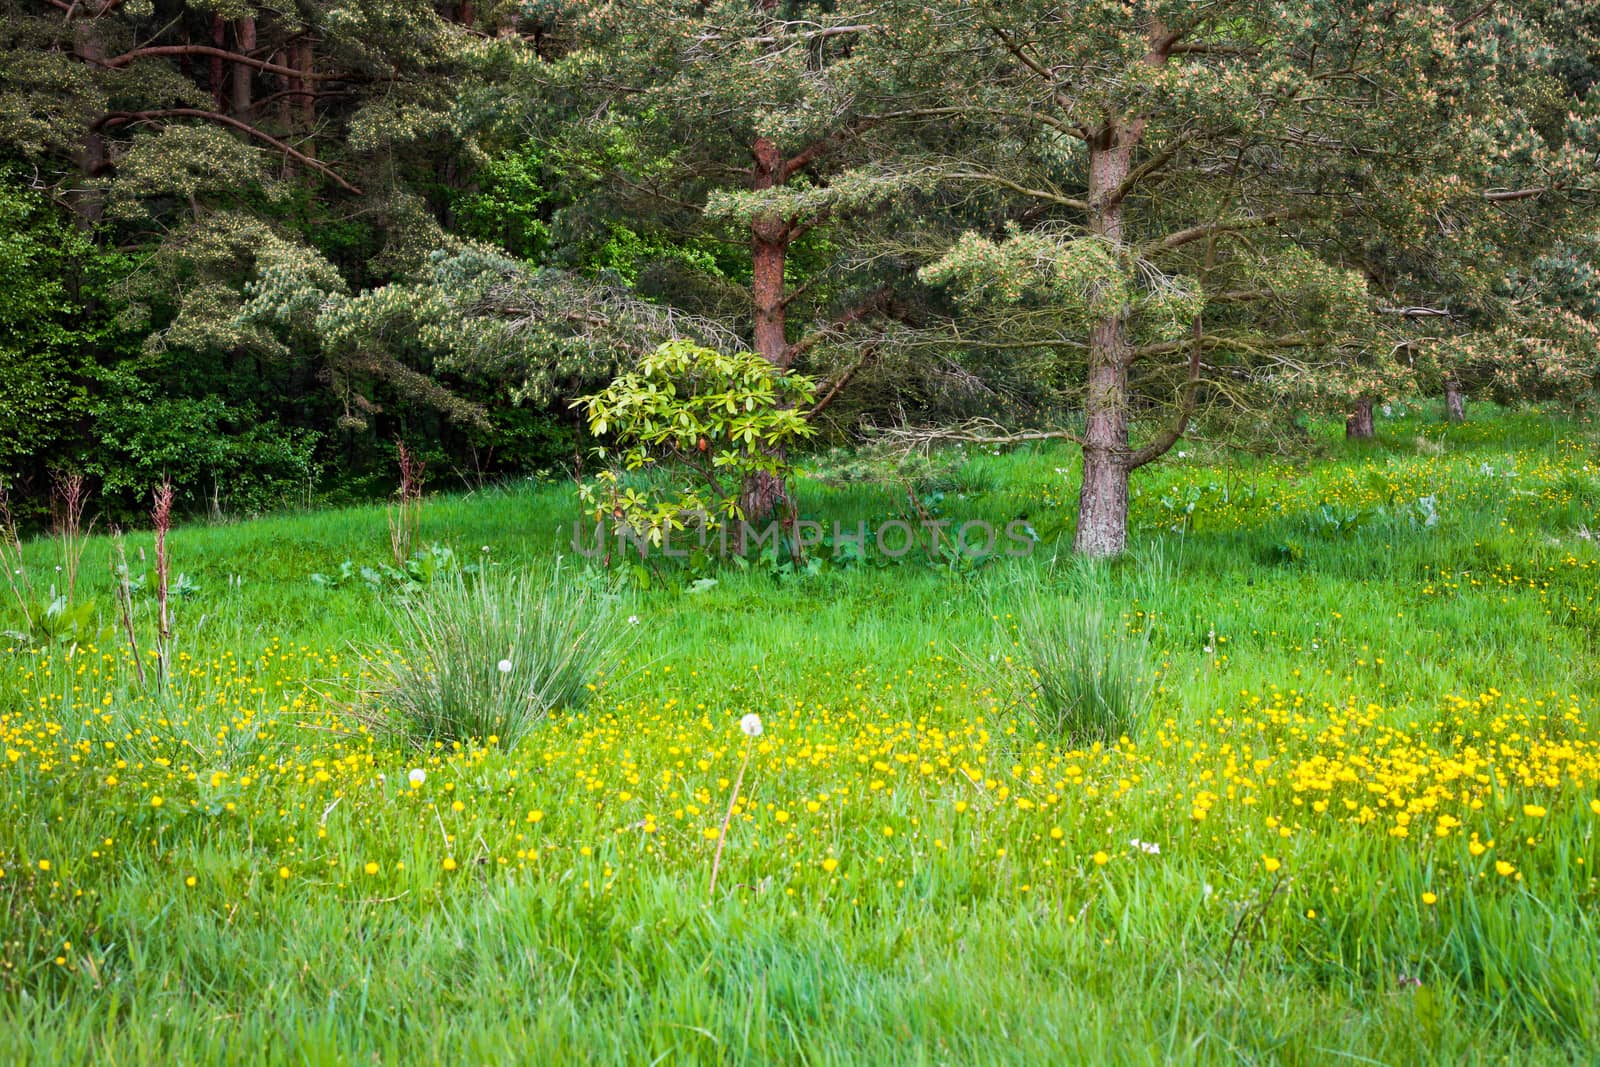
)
(1149, 848)
(417, 777)
(504, 666)
(633, 620)
(486, 548)
(751, 725)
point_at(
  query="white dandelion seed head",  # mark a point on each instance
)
(504, 666)
(751, 725)
(417, 777)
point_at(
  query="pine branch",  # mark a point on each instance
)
(821, 147)
(1174, 430)
(1416, 312)
(1143, 171)
(1223, 340)
(1061, 99)
(121, 118)
(876, 301)
(1020, 189)
(126, 58)
(974, 432)
(842, 380)
(1179, 238)
(940, 112)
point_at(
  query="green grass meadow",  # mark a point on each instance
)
(1359, 824)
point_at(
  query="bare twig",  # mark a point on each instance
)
(161, 518)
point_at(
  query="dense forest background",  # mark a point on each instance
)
(251, 247)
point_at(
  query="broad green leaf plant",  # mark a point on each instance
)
(708, 421)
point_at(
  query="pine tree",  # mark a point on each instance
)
(1207, 193)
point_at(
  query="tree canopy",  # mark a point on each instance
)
(251, 246)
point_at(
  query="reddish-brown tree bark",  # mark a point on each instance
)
(306, 65)
(87, 201)
(219, 39)
(244, 37)
(769, 251)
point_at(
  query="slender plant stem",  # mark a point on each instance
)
(119, 575)
(722, 837)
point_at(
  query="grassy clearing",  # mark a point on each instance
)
(1371, 769)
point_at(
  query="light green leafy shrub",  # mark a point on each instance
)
(710, 422)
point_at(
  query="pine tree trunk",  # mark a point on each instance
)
(288, 86)
(244, 40)
(308, 101)
(769, 250)
(1455, 401)
(288, 90)
(1358, 426)
(762, 494)
(88, 46)
(219, 39)
(1103, 496)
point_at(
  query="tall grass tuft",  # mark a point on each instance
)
(1088, 676)
(492, 654)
